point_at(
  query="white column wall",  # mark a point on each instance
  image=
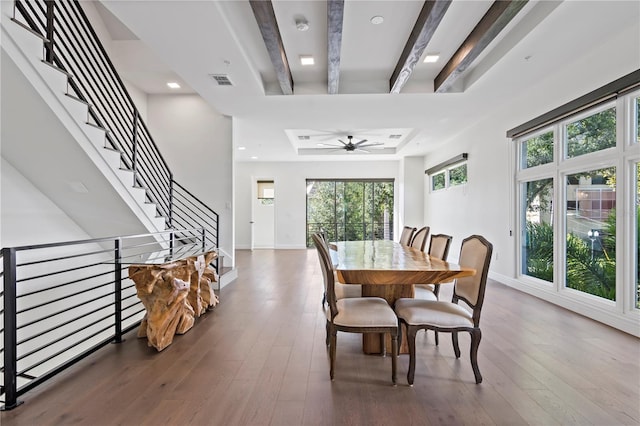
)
(412, 192)
(290, 188)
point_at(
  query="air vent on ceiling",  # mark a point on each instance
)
(395, 136)
(221, 79)
(304, 138)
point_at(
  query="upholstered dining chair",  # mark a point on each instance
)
(342, 290)
(451, 317)
(355, 315)
(406, 235)
(419, 239)
(438, 248)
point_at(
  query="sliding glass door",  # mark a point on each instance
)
(349, 210)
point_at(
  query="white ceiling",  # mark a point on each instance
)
(156, 41)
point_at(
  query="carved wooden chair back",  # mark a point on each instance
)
(407, 235)
(475, 253)
(419, 239)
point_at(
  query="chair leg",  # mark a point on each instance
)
(332, 351)
(456, 347)
(383, 345)
(411, 340)
(326, 340)
(394, 357)
(437, 340)
(476, 335)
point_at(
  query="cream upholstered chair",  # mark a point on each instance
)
(450, 317)
(438, 248)
(342, 290)
(419, 239)
(407, 235)
(355, 315)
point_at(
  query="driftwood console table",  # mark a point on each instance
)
(174, 294)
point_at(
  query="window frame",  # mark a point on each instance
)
(623, 156)
(446, 171)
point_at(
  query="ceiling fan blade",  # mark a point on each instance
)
(342, 142)
(361, 150)
(371, 144)
(360, 143)
(330, 145)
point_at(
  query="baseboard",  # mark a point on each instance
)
(627, 322)
(228, 277)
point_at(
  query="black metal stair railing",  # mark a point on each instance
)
(61, 302)
(72, 45)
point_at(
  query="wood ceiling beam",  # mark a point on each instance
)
(266, 19)
(335, 17)
(430, 16)
(497, 17)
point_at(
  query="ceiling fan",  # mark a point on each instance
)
(351, 147)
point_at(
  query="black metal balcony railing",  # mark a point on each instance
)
(63, 301)
(351, 231)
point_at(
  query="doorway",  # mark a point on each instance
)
(263, 213)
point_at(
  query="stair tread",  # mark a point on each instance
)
(75, 98)
(28, 28)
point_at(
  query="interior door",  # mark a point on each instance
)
(263, 213)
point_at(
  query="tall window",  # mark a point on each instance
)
(537, 228)
(591, 232)
(637, 233)
(570, 190)
(349, 210)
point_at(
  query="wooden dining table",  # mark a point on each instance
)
(389, 270)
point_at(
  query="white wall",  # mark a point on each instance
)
(486, 204)
(411, 192)
(290, 188)
(28, 217)
(195, 141)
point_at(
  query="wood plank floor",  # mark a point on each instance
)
(259, 359)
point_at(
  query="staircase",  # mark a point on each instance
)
(74, 132)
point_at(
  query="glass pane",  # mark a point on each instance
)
(591, 232)
(637, 242)
(354, 211)
(383, 210)
(320, 209)
(437, 181)
(537, 250)
(458, 175)
(537, 150)
(637, 120)
(591, 134)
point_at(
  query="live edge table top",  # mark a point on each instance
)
(384, 262)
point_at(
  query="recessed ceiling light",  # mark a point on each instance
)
(307, 60)
(242, 148)
(377, 20)
(431, 57)
(173, 85)
(302, 24)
